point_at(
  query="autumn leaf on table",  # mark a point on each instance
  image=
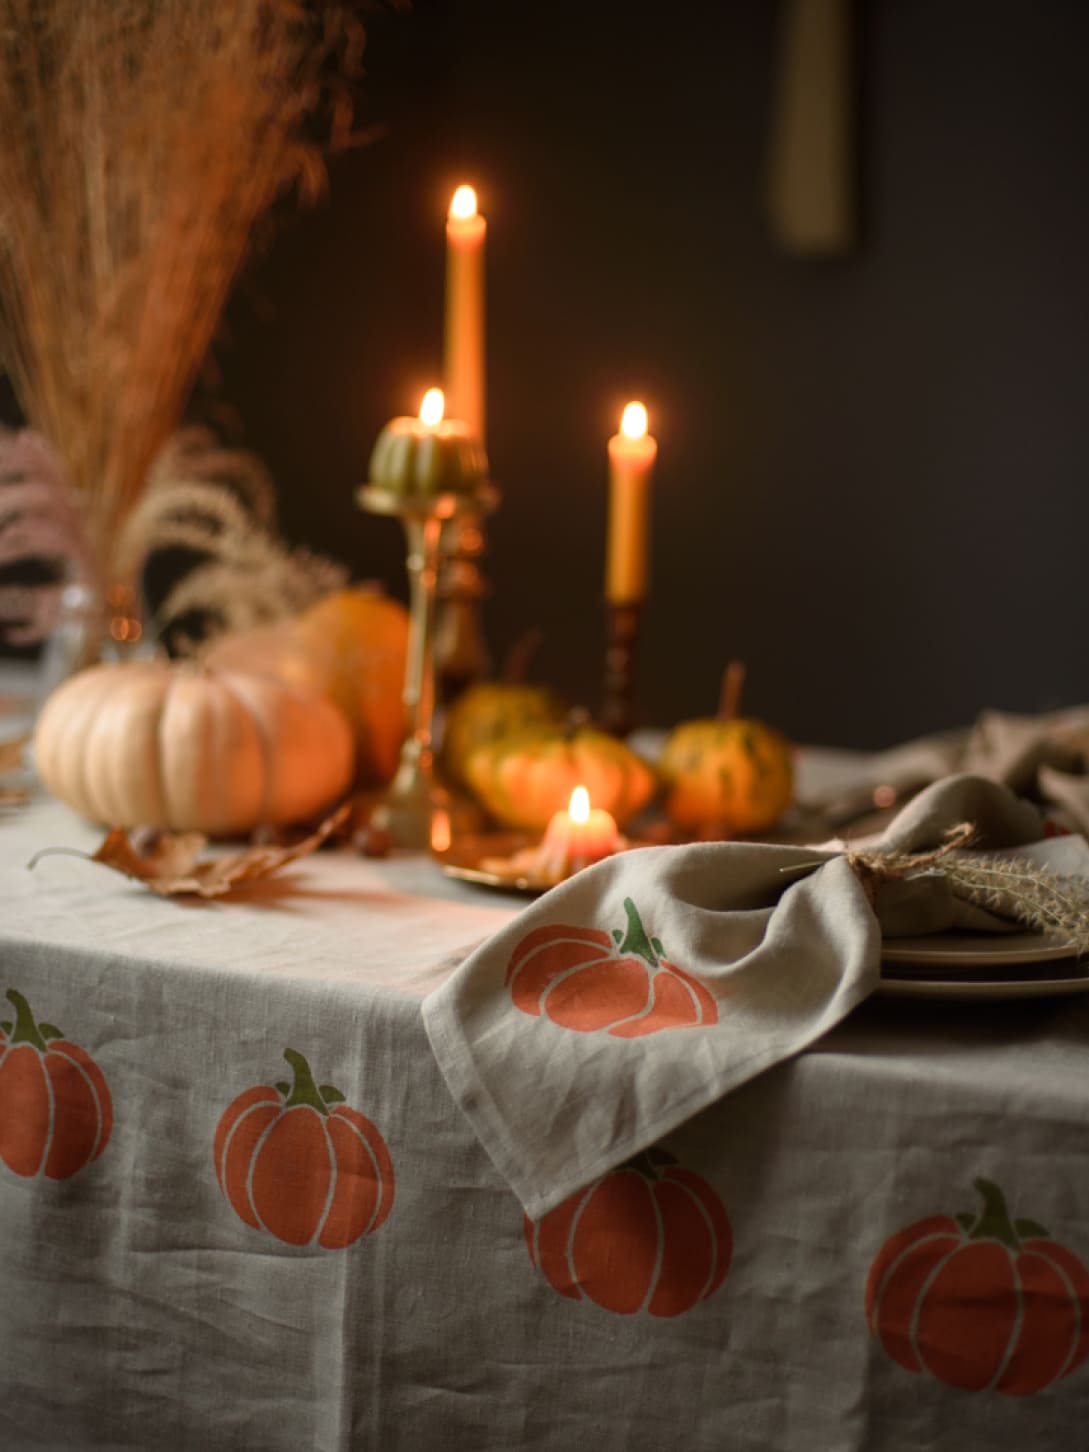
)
(11, 759)
(168, 863)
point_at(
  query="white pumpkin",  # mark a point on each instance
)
(191, 748)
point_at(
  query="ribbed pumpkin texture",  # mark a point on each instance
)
(524, 778)
(297, 1162)
(186, 748)
(980, 1302)
(350, 647)
(650, 1236)
(56, 1113)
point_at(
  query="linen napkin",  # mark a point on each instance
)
(630, 997)
(1044, 758)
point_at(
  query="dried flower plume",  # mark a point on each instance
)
(142, 141)
(216, 504)
(1037, 896)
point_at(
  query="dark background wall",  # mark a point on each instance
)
(872, 483)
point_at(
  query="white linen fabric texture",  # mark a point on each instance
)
(784, 957)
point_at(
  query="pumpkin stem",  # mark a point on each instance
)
(733, 683)
(304, 1090)
(994, 1221)
(516, 666)
(644, 1165)
(635, 939)
(26, 1030)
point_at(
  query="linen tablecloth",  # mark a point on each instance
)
(160, 1294)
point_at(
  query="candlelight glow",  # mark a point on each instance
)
(464, 203)
(634, 423)
(579, 807)
(440, 832)
(431, 409)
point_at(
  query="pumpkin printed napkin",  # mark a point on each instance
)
(644, 988)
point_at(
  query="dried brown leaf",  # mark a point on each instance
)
(168, 864)
(11, 753)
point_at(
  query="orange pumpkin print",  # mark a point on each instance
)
(649, 1236)
(56, 1113)
(297, 1161)
(980, 1301)
(586, 979)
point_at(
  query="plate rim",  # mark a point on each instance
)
(975, 950)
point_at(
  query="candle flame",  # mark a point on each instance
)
(440, 831)
(463, 204)
(579, 806)
(431, 409)
(634, 423)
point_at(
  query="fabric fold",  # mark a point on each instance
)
(642, 990)
(572, 1041)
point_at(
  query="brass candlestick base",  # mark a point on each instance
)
(408, 809)
(621, 642)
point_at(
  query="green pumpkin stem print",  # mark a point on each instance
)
(980, 1301)
(56, 1113)
(297, 1161)
(619, 982)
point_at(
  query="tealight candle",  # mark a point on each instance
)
(576, 837)
(632, 453)
(463, 356)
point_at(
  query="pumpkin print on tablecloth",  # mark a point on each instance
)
(980, 1301)
(586, 979)
(297, 1161)
(55, 1108)
(649, 1236)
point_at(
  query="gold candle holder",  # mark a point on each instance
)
(407, 810)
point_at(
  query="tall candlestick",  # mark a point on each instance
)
(632, 453)
(463, 361)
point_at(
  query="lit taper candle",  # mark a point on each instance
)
(632, 453)
(463, 361)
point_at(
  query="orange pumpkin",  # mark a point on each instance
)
(297, 1161)
(523, 779)
(349, 647)
(190, 748)
(650, 1236)
(980, 1301)
(56, 1113)
(589, 980)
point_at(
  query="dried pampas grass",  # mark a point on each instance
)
(141, 141)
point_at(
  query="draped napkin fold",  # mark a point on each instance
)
(630, 997)
(1044, 758)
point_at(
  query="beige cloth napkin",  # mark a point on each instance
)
(632, 996)
(1044, 758)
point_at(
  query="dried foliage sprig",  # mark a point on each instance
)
(143, 140)
(214, 503)
(1012, 887)
(219, 504)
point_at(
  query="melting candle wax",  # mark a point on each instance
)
(578, 836)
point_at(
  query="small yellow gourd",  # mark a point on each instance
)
(726, 776)
(490, 711)
(185, 748)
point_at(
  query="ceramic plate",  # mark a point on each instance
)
(983, 987)
(973, 950)
(463, 861)
(977, 965)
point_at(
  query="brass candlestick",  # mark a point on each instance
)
(408, 808)
(461, 650)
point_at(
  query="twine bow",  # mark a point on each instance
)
(1017, 888)
(873, 868)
